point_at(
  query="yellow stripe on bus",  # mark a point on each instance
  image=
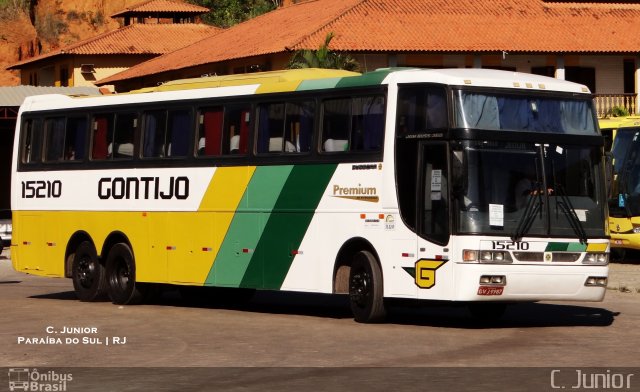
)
(596, 247)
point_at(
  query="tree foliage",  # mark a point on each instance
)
(323, 57)
(226, 13)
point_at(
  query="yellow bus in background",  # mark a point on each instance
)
(622, 135)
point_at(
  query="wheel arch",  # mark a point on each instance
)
(344, 259)
(113, 238)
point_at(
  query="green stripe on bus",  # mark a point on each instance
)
(576, 247)
(318, 84)
(286, 228)
(368, 79)
(565, 247)
(247, 225)
(556, 247)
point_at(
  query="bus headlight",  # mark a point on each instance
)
(486, 256)
(596, 258)
(596, 281)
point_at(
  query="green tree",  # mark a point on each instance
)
(323, 57)
(226, 13)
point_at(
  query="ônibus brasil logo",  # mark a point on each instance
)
(24, 379)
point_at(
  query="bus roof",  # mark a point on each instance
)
(308, 79)
(619, 122)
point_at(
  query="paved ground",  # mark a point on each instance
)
(625, 277)
(300, 342)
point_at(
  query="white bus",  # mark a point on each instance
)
(482, 187)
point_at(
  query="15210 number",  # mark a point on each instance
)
(41, 189)
(510, 245)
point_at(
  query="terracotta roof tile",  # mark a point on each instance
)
(416, 25)
(152, 39)
(164, 6)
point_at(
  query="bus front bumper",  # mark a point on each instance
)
(524, 283)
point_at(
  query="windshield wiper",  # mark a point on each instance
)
(534, 204)
(570, 213)
(567, 209)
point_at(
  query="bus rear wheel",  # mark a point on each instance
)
(121, 276)
(365, 289)
(87, 273)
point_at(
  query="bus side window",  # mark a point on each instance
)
(270, 128)
(421, 109)
(178, 133)
(75, 140)
(54, 129)
(299, 126)
(285, 127)
(123, 135)
(235, 136)
(210, 131)
(32, 141)
(367, 124)
(154, 135)
(336, 124)
(102, 136)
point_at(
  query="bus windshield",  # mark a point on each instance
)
(625, 196)
(482, 110)
(519, 189)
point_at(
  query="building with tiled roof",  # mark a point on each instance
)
(82, 63)
(597, 44)
(159, 9)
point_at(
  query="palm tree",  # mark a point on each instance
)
(323, 57)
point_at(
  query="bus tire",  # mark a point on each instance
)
(366, 294)
(88, 275)
(121, 276)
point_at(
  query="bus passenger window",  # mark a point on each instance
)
(153, 136)
(336, 124)
(368, 124)
(285, 127)
(76, 136)
(32, 141)
(178, 133)
(235, 136)
(270, 127)
(54, 139)
(102, 136)
(299, 126)
(210, 131)
(123, 135)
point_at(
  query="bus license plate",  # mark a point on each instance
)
(488, 290)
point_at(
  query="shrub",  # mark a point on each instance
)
(618, 111)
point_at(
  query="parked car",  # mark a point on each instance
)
(5, 233)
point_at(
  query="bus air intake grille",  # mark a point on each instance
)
(567, 257)
(529, 256)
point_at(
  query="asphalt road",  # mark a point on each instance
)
(290, 341)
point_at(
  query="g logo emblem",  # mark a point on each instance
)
(426, 272)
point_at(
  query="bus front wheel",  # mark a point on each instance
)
(365, 289)
(87, 273)
(121, 276)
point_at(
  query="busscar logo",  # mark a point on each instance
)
(24, 379)
(359, 193)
